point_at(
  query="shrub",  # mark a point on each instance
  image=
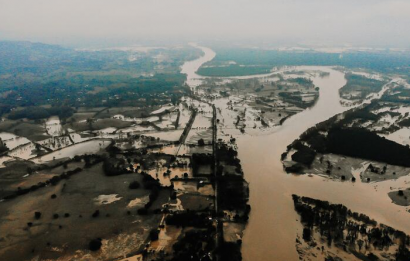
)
(37, 215)
(96, 214)
(153, 234)
(142, 211)
(95, 244)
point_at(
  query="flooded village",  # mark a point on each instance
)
(273, 166)
(171, 192)
(122, 183)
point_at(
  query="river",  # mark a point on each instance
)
(191, 67)
(273, 224)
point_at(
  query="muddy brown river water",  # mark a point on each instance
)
(273, 224)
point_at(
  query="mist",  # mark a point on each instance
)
(374, 23)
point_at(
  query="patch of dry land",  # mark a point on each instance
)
(400, 197)
(361, 85)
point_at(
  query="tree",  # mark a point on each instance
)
(96, 214)
(37, 215)
(307, 234)
(201, 142)
(95, 244)
(153, 234)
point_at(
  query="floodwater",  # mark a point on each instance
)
(87, 147)
(273, 224)
(12, 141)
(271, 231)
(191, 67)
(53, 126)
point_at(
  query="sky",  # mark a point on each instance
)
(373, 23)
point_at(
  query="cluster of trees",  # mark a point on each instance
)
(233, 70)
(364, 144)
(233, 191)
(301, 81)
(304, 154)
(343, 227)
(195, 245)
(233, 195)
(115, 167)
(199, 159)
(230, 251)
(383, 61)
(295, 98)
(361, 83)
(189, 219)
(398, 95)
(349, 141)
(53, 181)
(90, 160)
(60, 76)
(148, 182)
(148, 91)
(227, 154)
(404, 123)
(36, 113)
(3, 147)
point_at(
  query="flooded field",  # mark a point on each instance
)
(87, 147)
(12, 141)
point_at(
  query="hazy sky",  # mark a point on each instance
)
(334, 22)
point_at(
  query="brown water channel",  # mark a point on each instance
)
(273, 223)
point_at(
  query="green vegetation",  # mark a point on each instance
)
(36, 113)
(34, 74)
(400, 95)
(233, 70)
(350, 140)
(349, 231)
(364, 144)
(304, 154)
(194, 245)
(362, 84)
(256, 61)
